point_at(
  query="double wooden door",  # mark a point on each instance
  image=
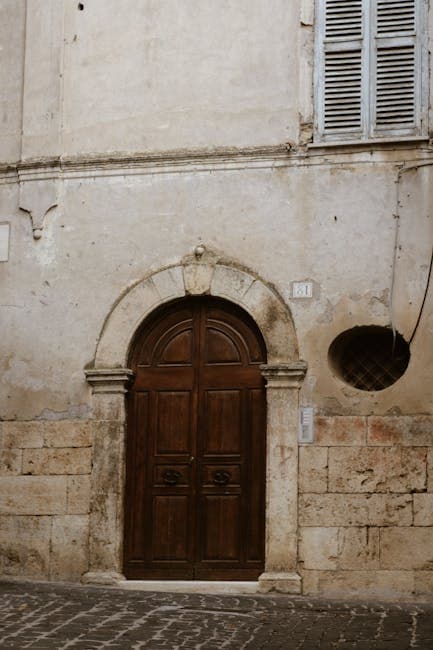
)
(195, 469)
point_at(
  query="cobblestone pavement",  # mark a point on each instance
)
(70, 616)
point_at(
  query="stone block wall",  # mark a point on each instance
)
(44, 498)
(365, 504)
(366, 507)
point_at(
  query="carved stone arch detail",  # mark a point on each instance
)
(216, 278)
(203, 273)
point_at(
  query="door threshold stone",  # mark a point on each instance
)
(191, 586)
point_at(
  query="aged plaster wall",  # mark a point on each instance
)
(177, 86)
(12, 34)
(287, 223)
(152, 88)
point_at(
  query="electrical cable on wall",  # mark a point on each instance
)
(396, 215)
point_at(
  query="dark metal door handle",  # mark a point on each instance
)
(221, 477)
(171, 476)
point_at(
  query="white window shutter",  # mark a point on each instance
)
(371, 69)
(339, 66)
(396, 79)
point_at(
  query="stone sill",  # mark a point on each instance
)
(189, 586)
(368, 144)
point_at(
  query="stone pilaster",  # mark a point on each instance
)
(106, 514)
(283, 382)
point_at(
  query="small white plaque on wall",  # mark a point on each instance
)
(4, 241)
(302, 289)
(306, 424)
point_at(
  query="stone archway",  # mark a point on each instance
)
(198, 274)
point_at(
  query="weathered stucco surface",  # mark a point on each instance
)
(129, 134)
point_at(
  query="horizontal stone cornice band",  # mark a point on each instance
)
(154, 162)
(190, 160)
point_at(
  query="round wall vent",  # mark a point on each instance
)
(369, 358)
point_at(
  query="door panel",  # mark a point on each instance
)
(177, 351)
(173, 428)
(170, 529)
(221, 531)
(222, 422)
(257, 451)
(136, 541)
(195, 471)
(220, 348)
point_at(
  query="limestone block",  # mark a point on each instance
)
(430, 470)
(406, 548)
(412, 431)
(107, 497)
(355, 584)
(313, 469)
(355, 510)
(169, 283)
(281, 480)
(377, 469)
(78, 495)
(22, 435)
(67, 433)
(108, 406)
(339, 548)
(340, 430)
(25, 546)
(423, 509)
(198, 278)
(281, 582)
(57, 461)
(108, 454)
(69, 547)
(123, 322)
(10, 462)
(230, 283)
(318, 548)
(32, 495)
(358, 548)
(273, 321)
(424, 583)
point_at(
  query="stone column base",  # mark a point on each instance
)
(283, 583)
(102, 577)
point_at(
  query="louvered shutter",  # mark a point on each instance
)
(396, 79)
(371, 69)
(339, 79)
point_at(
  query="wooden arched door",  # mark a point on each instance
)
(195, 468)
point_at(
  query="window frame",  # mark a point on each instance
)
(368, 133)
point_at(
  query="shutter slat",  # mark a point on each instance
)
(395, 99)
(343, 19)
(395, 16)
(342, 101)
(395, 96)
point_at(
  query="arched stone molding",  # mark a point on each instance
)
(203, 273)
(206, 275)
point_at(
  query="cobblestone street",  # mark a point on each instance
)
(68, 616)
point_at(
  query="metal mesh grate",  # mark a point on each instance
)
(369, 358)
